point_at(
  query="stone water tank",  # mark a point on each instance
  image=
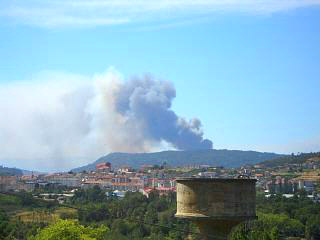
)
(216, 205)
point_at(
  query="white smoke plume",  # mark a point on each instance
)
(57, 121)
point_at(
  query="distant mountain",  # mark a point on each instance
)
(225, 158)
(5, 171)
(291, 159)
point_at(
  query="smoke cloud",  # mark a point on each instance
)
(58, 120)
(146, 103)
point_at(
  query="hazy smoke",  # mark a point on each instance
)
(63, 120)
(146, 103)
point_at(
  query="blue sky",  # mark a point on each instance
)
(249, 72)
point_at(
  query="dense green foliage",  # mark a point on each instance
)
(138, 217)
(13, 229)
(293, 159)
(280, 218)
(17, 201)
(12, 203)
(225, 158)
(134, 217)
(70, 230)
(92, 195)
(51, 188)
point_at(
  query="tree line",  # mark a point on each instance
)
(100, 216)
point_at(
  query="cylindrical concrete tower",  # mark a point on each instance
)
(216, 205)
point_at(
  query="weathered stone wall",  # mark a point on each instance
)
(216, 198)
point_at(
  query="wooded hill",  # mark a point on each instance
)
(5, 171)
(292, 159)
(225, 158)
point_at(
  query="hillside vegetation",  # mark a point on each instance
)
(225, 158)
(92, 215)
(292, 159)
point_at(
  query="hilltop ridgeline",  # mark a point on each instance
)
(225, 158)
(5, 171)
(292, 159)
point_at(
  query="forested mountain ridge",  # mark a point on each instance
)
(5, 171)
(292, 159)
(225, 158)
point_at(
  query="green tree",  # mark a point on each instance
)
(313, 227)
(70, 230)
(26, 199)
(274, 234)
(5, 226)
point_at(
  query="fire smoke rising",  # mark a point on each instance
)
(67, 120)
(146, 102)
